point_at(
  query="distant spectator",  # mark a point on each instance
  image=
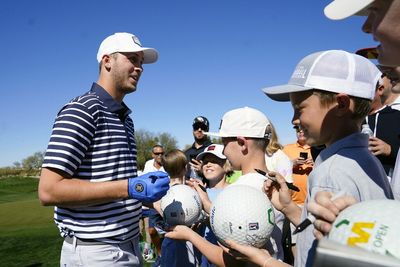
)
(384, 122)
(300, 155)
(201, 141)
(150, 216)
(155, 163)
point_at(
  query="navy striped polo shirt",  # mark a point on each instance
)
(93, 139)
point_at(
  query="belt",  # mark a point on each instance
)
(87, 242)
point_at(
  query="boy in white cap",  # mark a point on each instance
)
(89, 170)
(245, 134)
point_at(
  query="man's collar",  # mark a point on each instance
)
(108, 101)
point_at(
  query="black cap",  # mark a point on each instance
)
(201, 121)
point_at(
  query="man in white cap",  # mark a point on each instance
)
(383, 23)
(89, 171)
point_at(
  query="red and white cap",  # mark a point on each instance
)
(125, 42)
(214, 149)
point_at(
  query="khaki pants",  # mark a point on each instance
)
(100, 254)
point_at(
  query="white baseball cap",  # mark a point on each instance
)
(214, 149)
(125, 42)
(246, 122)
(334, 71)
(341, 9)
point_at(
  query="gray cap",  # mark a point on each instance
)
(334, 71)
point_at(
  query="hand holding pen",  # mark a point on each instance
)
(289, 185)
(280, 196)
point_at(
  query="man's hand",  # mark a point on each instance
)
(148, 187)
(325, 210)
(379, 147)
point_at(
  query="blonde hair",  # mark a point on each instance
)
(273, 144)
(228, 168)
(174, 163)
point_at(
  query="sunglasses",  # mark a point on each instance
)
(158, 153)
(201, 126)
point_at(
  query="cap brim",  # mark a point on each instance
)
(341, 9)
(282, 92)
(202, 154)
(150, 55)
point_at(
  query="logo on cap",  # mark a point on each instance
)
(210, 148)
(139, 187)
(299, 72)
(136, 40)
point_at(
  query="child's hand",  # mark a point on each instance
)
(196, 164)
(278, 192)
(246, 253)
(180, 232)
(200, 188)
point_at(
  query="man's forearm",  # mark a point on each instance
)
(70, 192)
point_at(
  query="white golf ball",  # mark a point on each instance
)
(242, 214)
(181, 206)
(372, 225)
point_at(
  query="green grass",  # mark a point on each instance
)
(28, 235)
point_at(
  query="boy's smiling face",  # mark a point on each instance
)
(312, 117)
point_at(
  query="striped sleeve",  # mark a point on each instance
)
(71, 137)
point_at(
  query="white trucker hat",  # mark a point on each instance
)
(214, 149)
(125, 42)
(246, 122)
(341, 9)
(334, 71)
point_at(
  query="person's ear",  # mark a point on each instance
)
(106, 62)
(243, 142)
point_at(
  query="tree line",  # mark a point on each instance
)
(145, 140)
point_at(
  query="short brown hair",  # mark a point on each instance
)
(362, 106)
(174, 162)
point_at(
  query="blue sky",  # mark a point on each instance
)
(215, 55)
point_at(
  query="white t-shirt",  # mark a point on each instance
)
(279, 162)
(149, 167)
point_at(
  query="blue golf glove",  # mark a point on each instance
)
(148, 187)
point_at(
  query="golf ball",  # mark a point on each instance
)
(242, 214)
(181, 206)
(372, 225)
